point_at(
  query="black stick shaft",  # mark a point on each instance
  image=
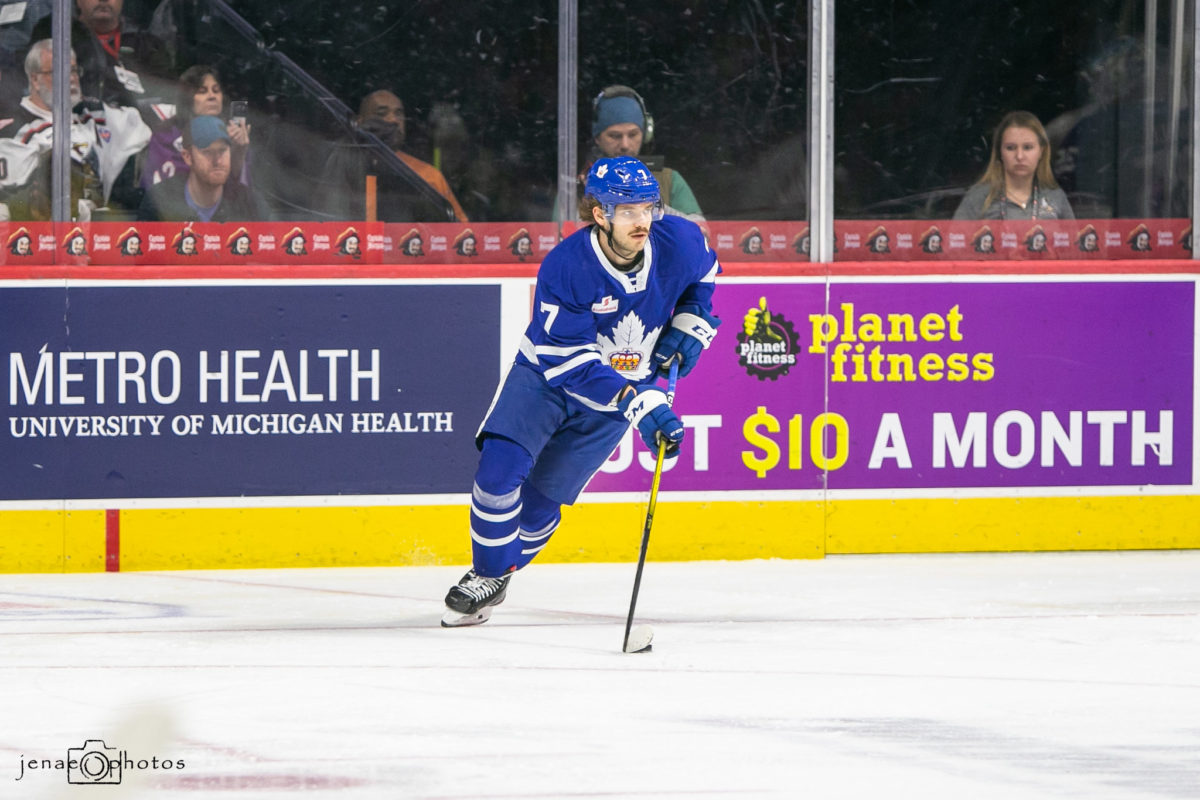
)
(662, 450)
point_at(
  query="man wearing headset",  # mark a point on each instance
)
(621, 127)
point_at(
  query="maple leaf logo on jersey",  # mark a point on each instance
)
(630, 345)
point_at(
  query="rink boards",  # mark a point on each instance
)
(214, 423)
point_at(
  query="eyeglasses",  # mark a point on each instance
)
(74, 71)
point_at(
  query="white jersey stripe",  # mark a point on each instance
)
(528, 350)
(571, 364)
(549, 350)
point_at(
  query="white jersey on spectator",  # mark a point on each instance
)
(105, 138)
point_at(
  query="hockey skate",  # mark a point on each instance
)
(470, 602)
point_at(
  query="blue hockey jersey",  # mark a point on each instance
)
(594, 327)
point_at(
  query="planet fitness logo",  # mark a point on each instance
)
(767, 344)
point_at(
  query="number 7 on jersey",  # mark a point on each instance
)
(551, 312)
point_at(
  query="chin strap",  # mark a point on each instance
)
(633, 266)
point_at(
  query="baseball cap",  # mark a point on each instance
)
(205, 130)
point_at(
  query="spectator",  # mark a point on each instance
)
(1018, 182)
(15, 36)
(103, 140)
(118, 64)
(622, 127)
(200, 94)
(382, 113)
(204, 193)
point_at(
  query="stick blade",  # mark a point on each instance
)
(639, 639)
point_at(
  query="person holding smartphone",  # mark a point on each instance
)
(200, 94)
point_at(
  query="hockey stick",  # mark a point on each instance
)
(641, 642)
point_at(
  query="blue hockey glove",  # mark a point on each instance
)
(647, 408)
(692, 331)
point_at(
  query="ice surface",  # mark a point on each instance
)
(985, 677)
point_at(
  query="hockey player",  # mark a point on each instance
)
(615, 304)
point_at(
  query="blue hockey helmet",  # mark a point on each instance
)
(620, 181)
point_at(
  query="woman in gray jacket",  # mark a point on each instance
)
(1018, 183)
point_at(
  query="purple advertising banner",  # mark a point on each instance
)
(936, 385)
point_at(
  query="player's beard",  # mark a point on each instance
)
(626, 248)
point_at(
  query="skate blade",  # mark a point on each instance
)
(453, 619)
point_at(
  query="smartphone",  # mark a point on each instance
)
(237, 111)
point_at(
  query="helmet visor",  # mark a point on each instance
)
(633, 213)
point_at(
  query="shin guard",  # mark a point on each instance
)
(496, 507)
(539, 519)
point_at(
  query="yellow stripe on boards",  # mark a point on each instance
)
(292, 537)
(687, 531)
(224, 538)
(52, 541)
(946, 525)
